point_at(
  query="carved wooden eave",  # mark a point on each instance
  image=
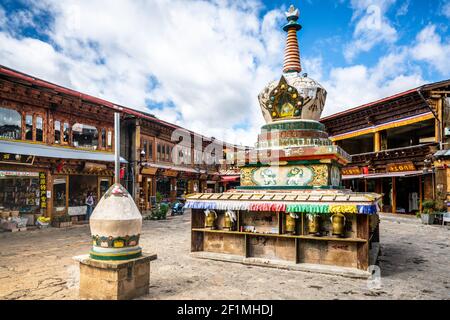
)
(378, 160)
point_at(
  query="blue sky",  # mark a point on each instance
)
(201, 64)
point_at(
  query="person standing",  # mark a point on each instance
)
(90, 205)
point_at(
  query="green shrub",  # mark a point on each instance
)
(428, 206)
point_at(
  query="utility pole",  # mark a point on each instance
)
(117, 147)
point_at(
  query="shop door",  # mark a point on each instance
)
(149, 193)
(103, 185)
(60, 195)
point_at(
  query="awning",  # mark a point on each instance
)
(169, 167)
(42, 150)
(230, 178)
(385, 175)
(442, 153)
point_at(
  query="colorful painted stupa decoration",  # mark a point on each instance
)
(293, 172)
(294, 154)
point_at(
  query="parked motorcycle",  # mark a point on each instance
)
(177, 208)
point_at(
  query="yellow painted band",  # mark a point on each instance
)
(382, 127)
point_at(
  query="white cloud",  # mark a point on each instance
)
(203, 63)
(432, 49)
(446, 9)
(404, 8)
(372, 26)
(356, 85)
(206, 57)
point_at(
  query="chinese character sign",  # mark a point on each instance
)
(43, 190)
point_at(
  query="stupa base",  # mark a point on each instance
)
(114, 280)
(114, 255)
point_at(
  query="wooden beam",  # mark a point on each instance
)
(394, 196)
(420, 195)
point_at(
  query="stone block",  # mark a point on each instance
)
(114, 280)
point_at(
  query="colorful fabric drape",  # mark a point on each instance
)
(308, 208)
(267, 206)
(367, 209)
(284, 207)
(348, 208)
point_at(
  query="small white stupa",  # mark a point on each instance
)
(116, 225)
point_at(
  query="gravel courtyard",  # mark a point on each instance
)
(414, 264)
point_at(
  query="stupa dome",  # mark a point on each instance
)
(116, 225)
(294, 96)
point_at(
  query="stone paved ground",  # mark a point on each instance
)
(414, 264)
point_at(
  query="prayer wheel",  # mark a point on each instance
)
(314, 224)
(338, 224)
(290, 223)
(229, 219)
(227, 223)
(210, 220)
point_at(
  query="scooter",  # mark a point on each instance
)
(177, 209)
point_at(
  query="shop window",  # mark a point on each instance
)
(59, 191)
(10, 124)
(150, 150)
(28, 127)
(57, 131)
(80, 186)
(20, 191)
(39, 129)
(109, 139)
(145, 148)
(103, 138)
(104, 185)
(84, 136)
(66, 130)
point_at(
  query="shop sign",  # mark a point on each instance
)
(16, 159)
(351, 171)
(170, 173)
(43, 190)
(149, 171)
(94, 167)
(401, 167)
(4, 173)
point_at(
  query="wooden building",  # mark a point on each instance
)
(393, 142)
(57, 145)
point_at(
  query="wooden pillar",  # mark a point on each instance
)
(377, 141)
(137, 157)
(420, 194)
(173, 189)
(394, 196)
(363, 232)
(437, 122)
(365, 185)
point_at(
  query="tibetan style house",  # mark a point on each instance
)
(290, 210)
(397, 146)
(57, 145)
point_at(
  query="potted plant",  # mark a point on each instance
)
(428, 215)
(62, 221)
(160, 212)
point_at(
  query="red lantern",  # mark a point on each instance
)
(365, 170)
(122, 173)
(59, 166)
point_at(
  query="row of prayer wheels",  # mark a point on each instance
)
(228, 221)
(314, 221)
(337, 224)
